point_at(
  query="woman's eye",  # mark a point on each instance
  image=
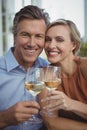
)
(48, 39)
(59, 39)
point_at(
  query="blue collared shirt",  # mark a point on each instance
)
(12, 90)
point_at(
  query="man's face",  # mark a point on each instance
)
(29, 41)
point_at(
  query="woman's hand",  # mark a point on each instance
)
(57, 100)
(44, 101)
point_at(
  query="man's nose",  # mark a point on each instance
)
(32, 40)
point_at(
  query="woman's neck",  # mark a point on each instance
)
(68, 66)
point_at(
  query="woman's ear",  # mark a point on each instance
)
(73, 46)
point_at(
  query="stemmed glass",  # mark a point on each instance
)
(34, 85)
(52, 80)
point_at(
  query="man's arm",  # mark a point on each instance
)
(3, 120)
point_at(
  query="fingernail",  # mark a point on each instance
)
(44, 107)
(41, 100)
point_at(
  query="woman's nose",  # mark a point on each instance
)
(52, 43)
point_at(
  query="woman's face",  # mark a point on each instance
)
(58, 44)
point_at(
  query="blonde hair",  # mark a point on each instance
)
(74, 32)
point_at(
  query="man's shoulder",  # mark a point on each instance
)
(42, 59)
(43, 62)
(2, 61)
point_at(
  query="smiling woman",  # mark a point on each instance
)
(69, 101)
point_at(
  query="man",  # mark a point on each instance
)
(29, 34)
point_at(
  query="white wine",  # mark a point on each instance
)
(35, 87)
(53, 84)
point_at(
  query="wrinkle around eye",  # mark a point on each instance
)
(39, 36)
(24, 34)
(59, 39)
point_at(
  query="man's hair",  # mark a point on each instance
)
(29, 12)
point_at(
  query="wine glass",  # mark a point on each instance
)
(52, 80)
(34, 85)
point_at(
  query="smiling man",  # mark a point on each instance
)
(29, 41)
(16, 106)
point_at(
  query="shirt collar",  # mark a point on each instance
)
(11, 61)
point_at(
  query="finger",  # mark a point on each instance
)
(24, 116)
(52, 98)
(55, 92)
(30, 110)
(53, 105)
(31, 104)
(27, 107)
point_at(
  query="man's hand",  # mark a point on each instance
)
(18, 113)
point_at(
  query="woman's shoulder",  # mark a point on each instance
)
(83, 65)
(83, 61)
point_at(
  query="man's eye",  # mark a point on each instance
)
(24, 34)
(40, 36)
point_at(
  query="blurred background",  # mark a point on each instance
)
(74, 10)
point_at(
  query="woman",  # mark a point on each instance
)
(62, 44)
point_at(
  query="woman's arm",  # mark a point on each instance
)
(58, 100)
(79, 108)
(59, 123)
